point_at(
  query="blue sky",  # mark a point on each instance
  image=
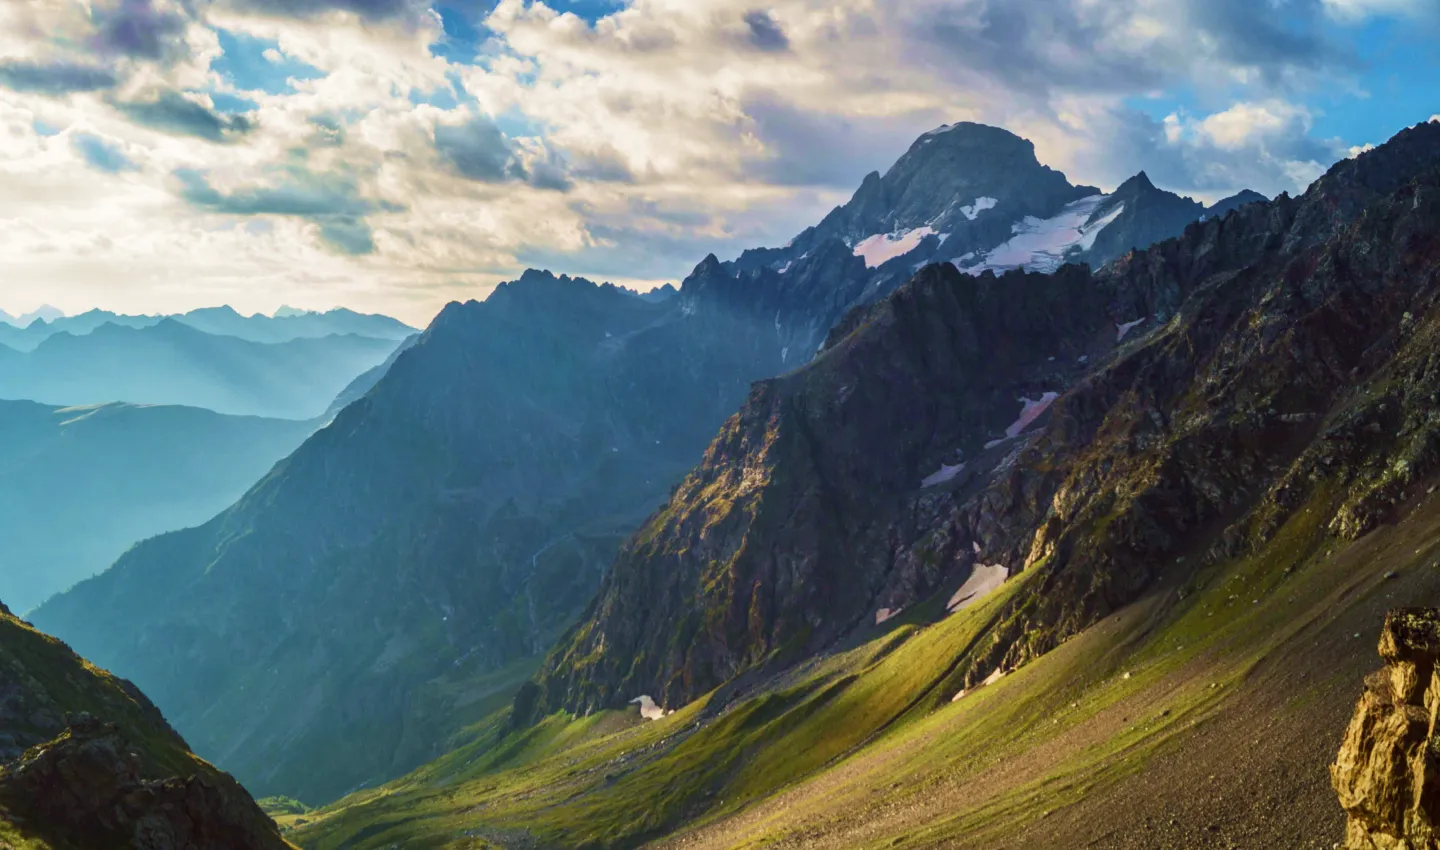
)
(395, 154)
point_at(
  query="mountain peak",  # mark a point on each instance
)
(1139, 183)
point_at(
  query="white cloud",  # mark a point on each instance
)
(627, 148)
(1245, 124)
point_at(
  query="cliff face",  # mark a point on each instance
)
(86, 761)
(1082, 428)
(1388, 770)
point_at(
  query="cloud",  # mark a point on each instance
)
(605, 138)
(136, 28)
(765, 33)
(1266, 146)
(479, 150)
(333, 202)
(1246, 123)
(55, 78)
(369, 10)
(1353, 10)
(175, 113)
(102, 154)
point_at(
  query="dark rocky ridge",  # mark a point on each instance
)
(1287, 359)
(86, 761)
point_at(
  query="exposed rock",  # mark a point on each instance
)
(86, 762)
(1388, 770)
(85, 789)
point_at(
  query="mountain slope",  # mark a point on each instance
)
(514, 446)
(87, 761)
(172, 363)
(80, 485)
(1202, 531)
(394, 578)
(884, 472)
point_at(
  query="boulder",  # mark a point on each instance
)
(1387, 772)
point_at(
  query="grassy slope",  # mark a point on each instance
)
(865, 749)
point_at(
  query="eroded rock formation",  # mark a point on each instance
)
(1388, 770)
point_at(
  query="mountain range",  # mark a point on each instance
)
(27, 332)
(174, 363)
(79, 485)
(399, 576)
(1093, 558)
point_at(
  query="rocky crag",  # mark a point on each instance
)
(1387, 773)
(86, 761)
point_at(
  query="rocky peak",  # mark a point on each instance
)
(1387, 772)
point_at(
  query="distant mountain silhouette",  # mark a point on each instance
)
(27, 332)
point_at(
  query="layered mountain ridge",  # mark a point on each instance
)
(25, 335)
(419, 554)
(171, 362)
(78, 486)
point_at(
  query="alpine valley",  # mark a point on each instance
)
(991, 511)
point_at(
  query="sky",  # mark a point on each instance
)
(394, 155)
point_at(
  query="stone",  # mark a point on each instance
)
(1387, 773)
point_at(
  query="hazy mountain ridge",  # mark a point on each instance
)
(173, 363)
(221, 321)
(78, 486)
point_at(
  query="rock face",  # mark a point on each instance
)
(1388, 770)
(86, 761)
(1191, 398)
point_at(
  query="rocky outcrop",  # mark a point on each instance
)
(1387, 773)
(86, 789)
(86, 761)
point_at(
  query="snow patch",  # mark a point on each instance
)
(1040, 245)
(1122, 330)
(648, 709)
(884, 614)
(984, 579)
(785, 354)
(883, 247)
(945, 473)
(1030, 410)
(994, 677)
(971, 211)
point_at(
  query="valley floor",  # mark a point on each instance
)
(1204, 716)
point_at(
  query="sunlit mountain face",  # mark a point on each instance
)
(621, 423)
